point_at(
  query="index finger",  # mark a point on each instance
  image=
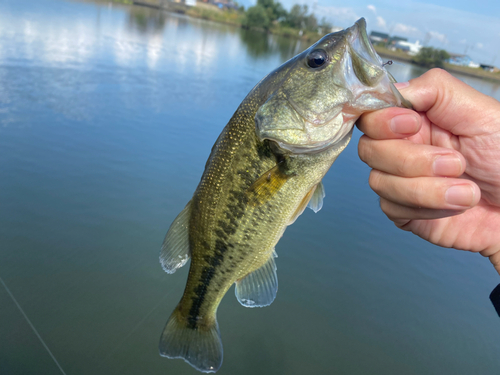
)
(452, 104)
(390, 123)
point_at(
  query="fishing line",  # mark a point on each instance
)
(31, 325)
(143, 319)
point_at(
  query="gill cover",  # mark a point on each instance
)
(331, 85)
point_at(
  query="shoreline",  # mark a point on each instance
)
(212, 13)
(462, 70)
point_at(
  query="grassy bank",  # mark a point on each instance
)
(464, 70)
(212, 13)
(472, 72)
(393, 55)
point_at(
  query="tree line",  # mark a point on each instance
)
(267, 13)
(429, 57)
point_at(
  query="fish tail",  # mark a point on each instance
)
(201, 347)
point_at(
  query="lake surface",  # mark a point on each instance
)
(107, 116)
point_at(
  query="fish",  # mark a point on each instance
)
(264, 169)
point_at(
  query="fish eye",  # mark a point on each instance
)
(317, 58)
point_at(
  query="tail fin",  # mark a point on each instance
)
(201, 348)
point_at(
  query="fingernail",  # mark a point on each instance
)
(460, 195)
(447, 165)
(404, 124)
(401, 85)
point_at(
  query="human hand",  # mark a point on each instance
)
(437, 170)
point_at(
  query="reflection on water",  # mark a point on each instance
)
(146, 20)
(107, 116)
(261, 44)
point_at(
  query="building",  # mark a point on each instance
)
(395, 39)
(411, 48)
(376, 37)
(489, 68)
(458, 59)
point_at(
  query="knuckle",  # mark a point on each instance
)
(384, 206)
(374, 180)
(417, 194)
(437, 73)
(387, 208)
(495, 260)
(365, 150)
(402, 166)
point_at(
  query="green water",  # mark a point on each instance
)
(107, 116)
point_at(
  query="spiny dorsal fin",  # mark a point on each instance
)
(316, 202)
(266, 186)
(259, 288)
(175, 249)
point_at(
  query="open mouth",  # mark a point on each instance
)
(360, 42)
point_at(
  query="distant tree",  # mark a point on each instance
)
(299, 19)
(295, 18)
(311, 23)
(325, 26)
(257, 16)
(274, 9)
(431, 57)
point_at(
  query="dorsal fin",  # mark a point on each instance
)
(175, 249)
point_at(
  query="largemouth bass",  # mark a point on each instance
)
(264, 169)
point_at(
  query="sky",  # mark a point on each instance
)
(458, 26)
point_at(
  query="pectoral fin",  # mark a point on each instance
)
(175, 249)
(266, 186)
(313, 199)
(259, 288)
(316, 202)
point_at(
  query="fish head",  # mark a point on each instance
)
(324, 91)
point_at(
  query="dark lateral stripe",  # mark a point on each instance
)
(233, 213)
(207, 275)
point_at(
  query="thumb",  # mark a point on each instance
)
(450, 103)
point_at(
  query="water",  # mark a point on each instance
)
(107, 116)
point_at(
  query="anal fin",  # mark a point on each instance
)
(259, 288)
(175, 249)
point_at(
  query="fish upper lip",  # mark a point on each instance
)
(358, 33)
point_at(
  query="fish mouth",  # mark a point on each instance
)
(360, 42)
(361, 47)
